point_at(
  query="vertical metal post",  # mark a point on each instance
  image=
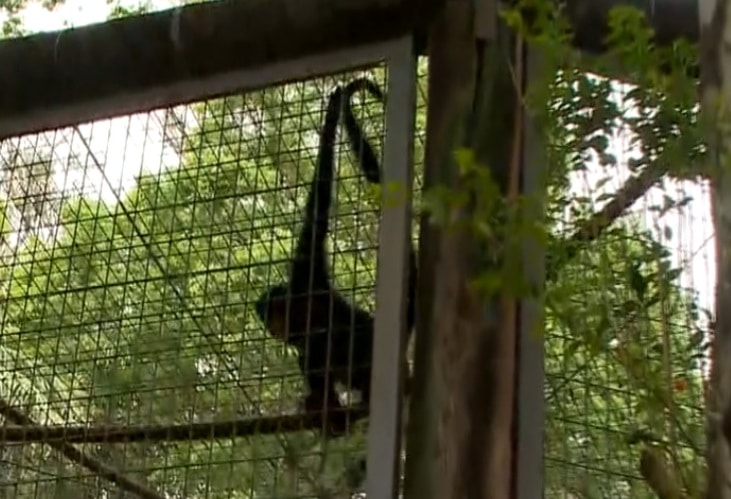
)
(394, 238)
(531, 414)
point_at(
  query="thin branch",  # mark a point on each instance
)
(591, 228)
(94, 465)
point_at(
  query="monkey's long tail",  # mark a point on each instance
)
(316, 223)
(358, 144)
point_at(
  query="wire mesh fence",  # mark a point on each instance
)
(627, 330)
(133, 253)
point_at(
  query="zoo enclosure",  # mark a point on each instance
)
(68, 100)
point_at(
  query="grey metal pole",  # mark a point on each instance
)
(394, 238)
(531, 378)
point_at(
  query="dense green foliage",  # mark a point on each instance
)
(625, 341)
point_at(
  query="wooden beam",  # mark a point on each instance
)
(137, 63)
(671, 20)
(133, 55)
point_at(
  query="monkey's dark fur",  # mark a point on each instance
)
(334, 337)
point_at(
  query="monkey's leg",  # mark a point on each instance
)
(323, 399)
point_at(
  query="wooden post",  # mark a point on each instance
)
(460, 436)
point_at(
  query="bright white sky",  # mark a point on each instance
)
(128, 145)
(692, 244)
(80, 12)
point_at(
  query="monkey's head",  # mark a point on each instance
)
(271, 308)
(292, 318)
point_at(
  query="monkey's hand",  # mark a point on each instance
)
(335, 420)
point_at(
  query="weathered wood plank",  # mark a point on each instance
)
(193, 43)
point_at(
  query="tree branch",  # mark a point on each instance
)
(590, 229)
(103, 470)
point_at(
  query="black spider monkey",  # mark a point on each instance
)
(308, 313)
